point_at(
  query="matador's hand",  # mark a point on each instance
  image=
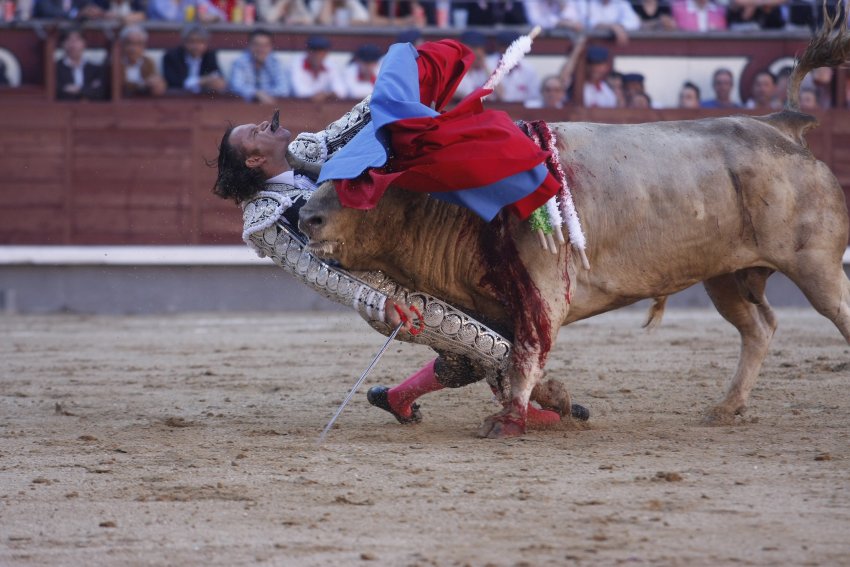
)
(396, 313)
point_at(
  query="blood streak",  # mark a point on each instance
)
(507, 277)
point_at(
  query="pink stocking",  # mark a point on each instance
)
(418, 384)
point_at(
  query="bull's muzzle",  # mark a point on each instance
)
(310, 222)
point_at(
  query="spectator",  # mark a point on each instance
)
(547, 14)
(753, 15)
(522, 83)
(139, 76)
(291, 12)
(614, 79)
(480, 69)
(202, 11)
(358, 77)
(615, 16)
(76, 78)
(763, 90)
(640, 100)
(553, 94)
(654, 14)
(699, 15)
(632, 85)
(490, 13)
(57, 9)
(782, 77)
(193, 67)
(689, 96)
(400, 13)
(412, 36)
(820, 80)
(124, 11)
(597, 93)
(722, 82)
(809, 100)
(569, 66)
(257, 74)
(339, 13)
(312, 77)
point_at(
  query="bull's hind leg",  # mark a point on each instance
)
(825, 285)
(740, 299)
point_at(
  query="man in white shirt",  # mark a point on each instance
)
(358, 77)
(597, 93)
(615, 16)
(311, 75)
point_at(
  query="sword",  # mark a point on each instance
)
(359, 381)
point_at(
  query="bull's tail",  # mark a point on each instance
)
(656, 312)
(829, 47)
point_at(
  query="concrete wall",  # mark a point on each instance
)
(172, 289)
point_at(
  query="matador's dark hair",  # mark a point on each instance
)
(235, 180)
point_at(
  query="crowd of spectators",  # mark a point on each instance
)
(616, 17)
(259, 75)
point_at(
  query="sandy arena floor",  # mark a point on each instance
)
(191, 440)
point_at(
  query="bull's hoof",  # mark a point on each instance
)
(580, 413)
(720, 415)
(502, 426)
(377, 396)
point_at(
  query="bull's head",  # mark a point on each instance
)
(356, 239)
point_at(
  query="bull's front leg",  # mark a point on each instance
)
(525, 373)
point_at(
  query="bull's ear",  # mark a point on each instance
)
(255, 161)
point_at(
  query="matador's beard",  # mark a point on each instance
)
(275, 120)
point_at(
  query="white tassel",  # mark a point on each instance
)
(556, 221)
(573, 224)
(541, 238)
(513, 55)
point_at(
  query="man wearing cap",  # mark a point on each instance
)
(358, 77)
(633, 86)
(597, 93)
(257, 75)
(312, 76)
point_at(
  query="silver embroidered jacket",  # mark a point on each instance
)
(446, 329)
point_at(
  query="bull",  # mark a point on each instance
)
(723, 201)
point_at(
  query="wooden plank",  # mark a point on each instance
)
(25, 192)
(28, 115)
(31, 224)
(127, 226)
(839, 122)
(24, 141)
(134, 172)
(31, 166)
(126, 142)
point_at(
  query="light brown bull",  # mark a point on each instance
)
(723, 201)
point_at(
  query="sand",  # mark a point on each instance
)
(192, 440)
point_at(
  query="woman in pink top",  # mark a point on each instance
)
(699, 15)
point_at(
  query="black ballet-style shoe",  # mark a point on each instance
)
(377, 396)
(580, 413)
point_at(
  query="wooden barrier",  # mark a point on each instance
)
(134, 173)
(33, 43)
